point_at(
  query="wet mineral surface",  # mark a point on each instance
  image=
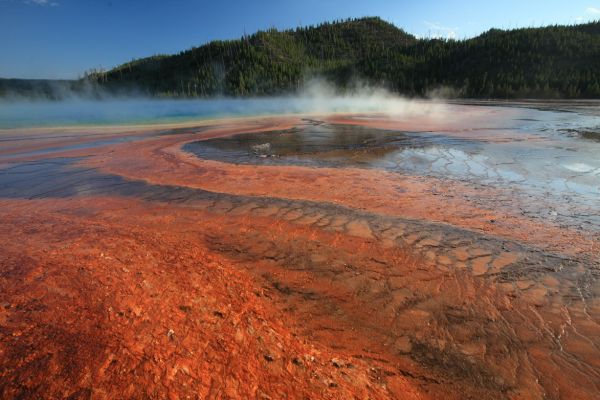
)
(346, 256)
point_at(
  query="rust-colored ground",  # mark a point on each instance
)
(132, 269)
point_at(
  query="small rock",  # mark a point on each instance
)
(309, 358)
(330, 383)
(269, 357)
(338, 363)
(297, 361)
(171, 334)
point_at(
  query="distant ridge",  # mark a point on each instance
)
(548, 62)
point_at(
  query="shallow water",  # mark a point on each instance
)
(22, 114)
(551, 170)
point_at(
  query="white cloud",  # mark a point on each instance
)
(439, 31)
(590, 14)
(43, 3)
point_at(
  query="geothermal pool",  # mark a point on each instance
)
(446, 251)
(547, 161)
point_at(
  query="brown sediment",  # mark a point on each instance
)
(138, 270)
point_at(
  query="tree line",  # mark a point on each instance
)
(547, 62)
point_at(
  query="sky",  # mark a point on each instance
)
(63, 38)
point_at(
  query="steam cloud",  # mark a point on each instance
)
(317, 96)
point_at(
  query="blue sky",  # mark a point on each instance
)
(63, 38)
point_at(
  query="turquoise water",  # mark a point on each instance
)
(130, 111)
(20, 114)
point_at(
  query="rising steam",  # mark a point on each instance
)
(317, 96)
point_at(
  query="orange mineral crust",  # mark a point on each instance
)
(339, 257)
(93, 307)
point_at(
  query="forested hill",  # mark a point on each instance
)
(548, 62)
(267, 62)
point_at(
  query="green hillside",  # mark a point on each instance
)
(268, 62)
(548, 62)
